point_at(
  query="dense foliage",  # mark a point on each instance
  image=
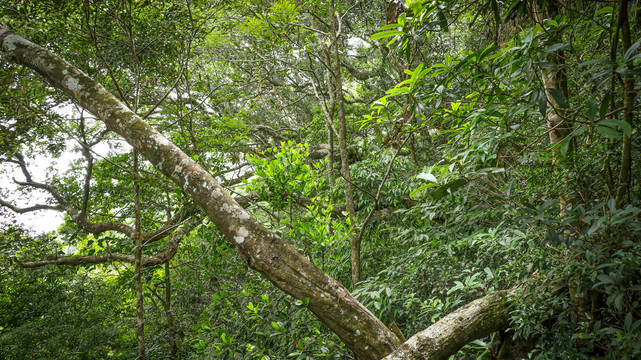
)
(489, 146)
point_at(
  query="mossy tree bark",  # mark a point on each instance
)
(475, 320)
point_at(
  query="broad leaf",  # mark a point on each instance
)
(558, 97)
(386, 34)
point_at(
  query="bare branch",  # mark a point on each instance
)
(94, 228)
(169, 226)
(30, 208)
(270, 131)
(23, 165)
(80, 218)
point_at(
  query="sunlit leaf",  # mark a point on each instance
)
(386, 34)
(427, 176)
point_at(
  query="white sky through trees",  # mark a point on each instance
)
(43, 167)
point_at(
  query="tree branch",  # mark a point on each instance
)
(30, 208)
(80, 218)
(160, 258)
(359, 75)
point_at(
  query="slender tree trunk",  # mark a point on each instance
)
(355, 240)
(140, 301)
(330, 140)
(329, 113)
(173, 344)
(554, 81)
(606, 170)
(628, 104)
(330, 156)
(140, 305)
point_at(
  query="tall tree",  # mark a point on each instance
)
(485, 114)
(260, 248)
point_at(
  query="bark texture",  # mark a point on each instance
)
(260, 248)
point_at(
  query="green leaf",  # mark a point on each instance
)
(564, 145)
(418, 190)
(386, 34)
(605, 10)
(543, 103)
(546, 64)
(605, 278)
(427, 176)
(608, 132)
(606, 62)
(631, 51)
(593, 108)
(510, 188)
(442, 21)
(455, 184)
(558, 96)
(495, 11)
(408, 51)
(201, 345)
(557, 47)
(487, 51)
(439, 193)
(603, 109)
(628, 321)
(416, 75)
(615, 123)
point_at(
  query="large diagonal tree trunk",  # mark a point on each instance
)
(260, 248)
